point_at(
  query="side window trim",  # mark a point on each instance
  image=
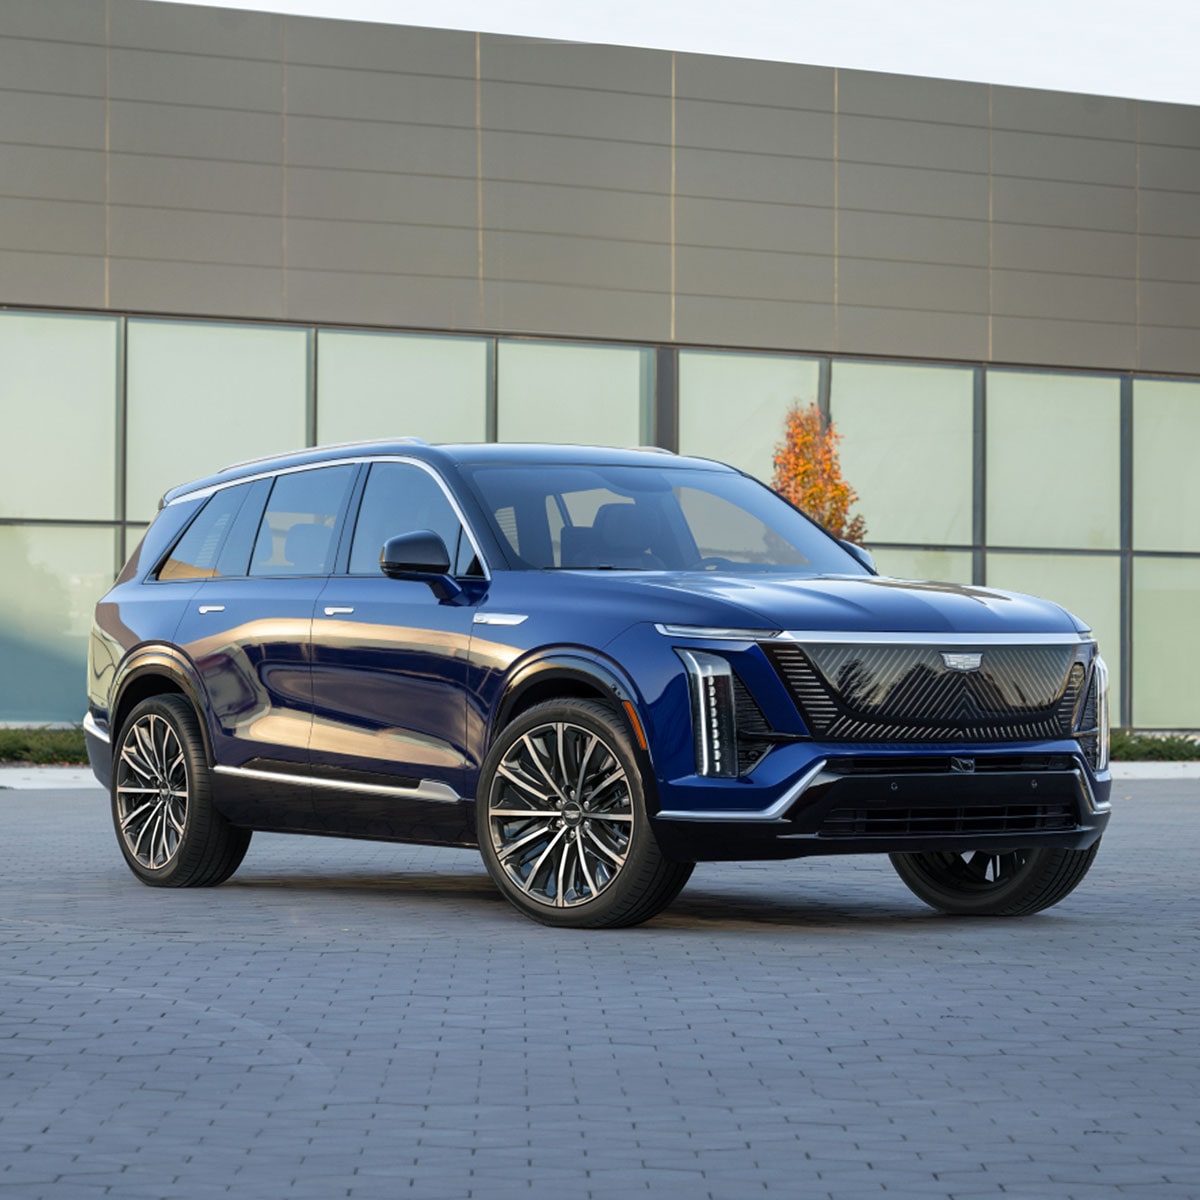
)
(339, 524)
(349, 521)
(476, 545)
(164, 559)
(252, 508)
(457, 552)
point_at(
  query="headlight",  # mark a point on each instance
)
(710, 679)
(1092, 717)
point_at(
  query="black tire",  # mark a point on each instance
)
(166, 826)
(1011, 883)
(585, 857)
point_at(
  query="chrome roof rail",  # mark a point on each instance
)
(266, 458)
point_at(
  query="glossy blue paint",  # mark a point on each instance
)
(410, 687)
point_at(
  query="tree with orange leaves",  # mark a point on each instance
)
(807, 473)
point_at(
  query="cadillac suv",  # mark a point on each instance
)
(598, 666)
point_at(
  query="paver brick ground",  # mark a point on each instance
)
(351, 1019)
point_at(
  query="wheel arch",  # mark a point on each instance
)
(156, 671)
(564, 676)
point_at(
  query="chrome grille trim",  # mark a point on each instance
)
(901, 692)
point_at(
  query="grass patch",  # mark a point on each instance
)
(43, 746)
(1128, 746)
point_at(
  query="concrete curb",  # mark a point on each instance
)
(1156, 770)
(28, 779)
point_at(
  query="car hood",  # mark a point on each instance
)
(835, 603)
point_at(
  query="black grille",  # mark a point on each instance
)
(751, 728)
(976, 819)
(909, 693)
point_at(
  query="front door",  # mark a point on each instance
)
(389, 663)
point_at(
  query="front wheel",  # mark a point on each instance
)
(994, 883)
(562, 821)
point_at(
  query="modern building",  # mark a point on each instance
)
(230, 233)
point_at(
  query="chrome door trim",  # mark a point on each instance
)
(427, 789)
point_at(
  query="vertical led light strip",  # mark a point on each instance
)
(713, 717)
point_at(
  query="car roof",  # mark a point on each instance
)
(456, 454)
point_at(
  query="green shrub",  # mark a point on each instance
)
(43, 746)
(1128, 746)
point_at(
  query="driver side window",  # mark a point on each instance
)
(400, 498)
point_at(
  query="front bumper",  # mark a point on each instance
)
(868, 803)
(99, 748)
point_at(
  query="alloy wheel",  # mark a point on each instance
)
(152, 791)
(560, 814)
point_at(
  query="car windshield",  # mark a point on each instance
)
(652, 518)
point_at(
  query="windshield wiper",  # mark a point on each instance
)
(598, 567)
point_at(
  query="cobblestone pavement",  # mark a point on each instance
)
(353, 1019)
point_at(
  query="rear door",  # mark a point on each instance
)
(248, 628)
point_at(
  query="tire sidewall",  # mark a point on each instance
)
(608, 725)
(1011, 898)
(178, 713)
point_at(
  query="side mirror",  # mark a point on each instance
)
(863, 555)
(420, 556)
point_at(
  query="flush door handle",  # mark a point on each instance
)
(207, 608)
(334, 611)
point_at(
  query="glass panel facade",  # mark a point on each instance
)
(58, 394)
(50, 579)
(1166, 642)
(1166, 483)
(583, 395)
(907, 448)
(376, 385)
(943, 566)
(1088, 585)
(732, 406)
(202, 396)
(1053, 460)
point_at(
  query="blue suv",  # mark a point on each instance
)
(598, 666)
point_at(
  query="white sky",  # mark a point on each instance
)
(1148, 49)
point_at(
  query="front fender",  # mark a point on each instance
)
(547, 667)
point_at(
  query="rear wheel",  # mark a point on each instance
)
(562, 821)
(991, 883)
(167, 828)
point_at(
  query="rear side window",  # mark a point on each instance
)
(298, 530)
(400, 498)
(196, 554)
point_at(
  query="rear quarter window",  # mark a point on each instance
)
(195, 555)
